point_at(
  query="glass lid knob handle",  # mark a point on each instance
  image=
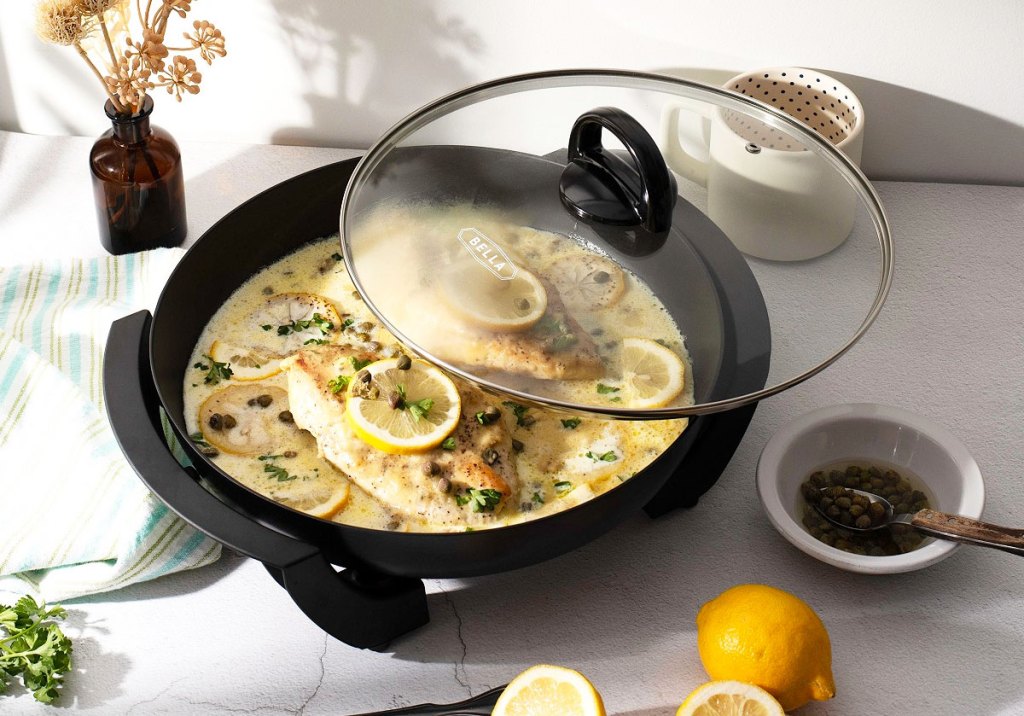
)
(599, 186)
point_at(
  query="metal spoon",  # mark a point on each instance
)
(939, 524)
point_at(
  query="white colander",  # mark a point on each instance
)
(821, 102)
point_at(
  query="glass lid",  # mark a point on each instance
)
(621, 244)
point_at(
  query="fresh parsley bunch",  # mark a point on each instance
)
(33, 647)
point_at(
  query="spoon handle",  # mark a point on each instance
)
(964, 529)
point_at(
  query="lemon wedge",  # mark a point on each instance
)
(730, 698)
(288, 321)
(243, 419)
(587, 282)
(486, 301)
(246, 363)
(546, 689)
(652, 374)
(403, 411)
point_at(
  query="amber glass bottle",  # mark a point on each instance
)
(138, 183)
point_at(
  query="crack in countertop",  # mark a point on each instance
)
(460, 664)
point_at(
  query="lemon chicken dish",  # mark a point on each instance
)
(298, 392)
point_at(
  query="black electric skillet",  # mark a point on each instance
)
(378, 594)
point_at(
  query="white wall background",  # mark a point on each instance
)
(942, 81)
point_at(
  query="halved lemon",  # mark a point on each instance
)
(587, 282)
(482, 299)
(652, 375)
(323, 496)
(288, 321)
(244, 419)
(403, 411)
(246, 363)
(730, 698)
(546, 689)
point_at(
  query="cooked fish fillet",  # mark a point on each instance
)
(555, 348)
(407, 484)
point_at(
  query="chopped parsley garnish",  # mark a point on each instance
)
(560, 343)
(266, 326)
(522, 419)
(215, 372)
(337, 257)
(347, 323)
(315, 342)
(557, 330)
(338, 384)
(417, 408)
(483, 500)
(538, 498)
(276, 471)
(571, 423)
(358, 364)
(609, 456)
(606, 389)
(297, 326)
(448, 444)
(461, 499)
(486, 418)
(563, 487)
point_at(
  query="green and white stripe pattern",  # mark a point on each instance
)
(74, 518)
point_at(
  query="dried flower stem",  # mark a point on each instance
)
(113, 100)
(106, 37)
(160, 19)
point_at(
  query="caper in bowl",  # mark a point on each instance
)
(938, 466)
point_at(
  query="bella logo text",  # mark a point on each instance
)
(488, 254)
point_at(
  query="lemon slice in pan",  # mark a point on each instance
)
(245, 363)
(288, 321)
(652, 375)
(486, 301)
(403, 411)
(244, 419)
(587, 282)
(322, 496)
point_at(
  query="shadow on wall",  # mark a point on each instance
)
(925, 137)
(350, 42)
(8, 112)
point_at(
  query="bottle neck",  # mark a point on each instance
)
(131, 128)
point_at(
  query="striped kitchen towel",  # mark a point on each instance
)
(74, 517)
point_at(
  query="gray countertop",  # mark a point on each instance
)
(945, 640)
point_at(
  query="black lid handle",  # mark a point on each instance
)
(599, 186)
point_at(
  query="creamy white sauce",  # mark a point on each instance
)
(559, 465)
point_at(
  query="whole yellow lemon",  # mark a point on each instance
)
(768, 637)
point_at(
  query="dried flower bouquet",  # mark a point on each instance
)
(131, 67)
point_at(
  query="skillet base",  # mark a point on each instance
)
(382, 583)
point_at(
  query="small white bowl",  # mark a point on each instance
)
(867, 432)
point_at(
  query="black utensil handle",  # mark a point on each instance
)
(366, 613)
(481, 704)
(645, 189)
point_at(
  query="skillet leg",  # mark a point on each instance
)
(718, 437)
